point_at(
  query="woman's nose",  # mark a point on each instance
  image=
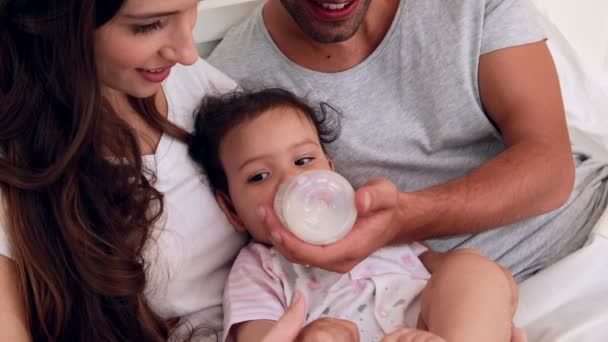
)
(181, 47)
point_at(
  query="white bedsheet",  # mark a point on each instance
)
(568, 302)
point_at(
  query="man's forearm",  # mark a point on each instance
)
(526, 180)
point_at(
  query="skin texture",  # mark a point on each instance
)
(535, 174)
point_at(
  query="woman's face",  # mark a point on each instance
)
(136, 49)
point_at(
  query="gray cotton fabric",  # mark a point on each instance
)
(412, 114)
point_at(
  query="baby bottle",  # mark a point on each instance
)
(317, 206)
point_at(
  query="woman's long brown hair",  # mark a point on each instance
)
(77, 220)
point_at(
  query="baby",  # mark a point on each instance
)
(248, 143)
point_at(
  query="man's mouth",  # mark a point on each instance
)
(333, 6)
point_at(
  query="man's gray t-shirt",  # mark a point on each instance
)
(412, 113)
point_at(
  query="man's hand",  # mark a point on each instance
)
(376, 226)
(330, 330)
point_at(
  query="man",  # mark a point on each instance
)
(455, 102)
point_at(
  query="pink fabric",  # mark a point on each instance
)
(253, 290)
(380, 293)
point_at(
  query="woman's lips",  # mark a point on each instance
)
(155, 75)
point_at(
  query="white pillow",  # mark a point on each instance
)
(584, 87)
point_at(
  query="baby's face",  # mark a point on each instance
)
(260, 154)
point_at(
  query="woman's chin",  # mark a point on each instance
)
(143, 92)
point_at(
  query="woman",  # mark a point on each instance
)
(98, 243)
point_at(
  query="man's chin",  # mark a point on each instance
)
(324, 39)
(331, 33)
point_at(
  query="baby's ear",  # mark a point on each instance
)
(228, 208)
(331, 164)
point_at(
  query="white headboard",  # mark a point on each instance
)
(584, 23)
(216, 17)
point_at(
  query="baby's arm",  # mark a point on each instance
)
(254, 299)
(285, 329)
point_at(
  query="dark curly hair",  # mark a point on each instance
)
(217, 115)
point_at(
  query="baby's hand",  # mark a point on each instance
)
(412, 335)
(329, 329)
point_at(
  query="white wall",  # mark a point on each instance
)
(584, 23)
(215, 17)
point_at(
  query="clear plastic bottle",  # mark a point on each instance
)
(317, 206)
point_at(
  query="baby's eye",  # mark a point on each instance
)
(303, 161)
(258, 177)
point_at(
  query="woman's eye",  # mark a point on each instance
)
(147, 27)
(258, 177)
(303, 161)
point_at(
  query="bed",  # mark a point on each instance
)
(569, 300)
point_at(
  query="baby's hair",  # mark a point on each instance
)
(217, 115)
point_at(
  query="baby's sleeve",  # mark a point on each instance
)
(254, 290)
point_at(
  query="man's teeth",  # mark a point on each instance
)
(334, 6)
(154, 70)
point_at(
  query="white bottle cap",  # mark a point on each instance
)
(317, 206)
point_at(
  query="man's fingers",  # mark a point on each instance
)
(270, 219)
(298, 251)
(284, 241)
(377, 194)
(340, 256)
(290, 324)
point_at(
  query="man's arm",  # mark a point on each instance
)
(13, 325)
(535, 174)
(520, 91)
